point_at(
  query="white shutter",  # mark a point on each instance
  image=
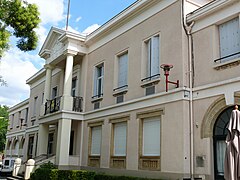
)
(229, 33)
(120, 139)
(122, 70)
(96, 140)
(95, 82)
(149, 58)
(155, 56)
(151, 136)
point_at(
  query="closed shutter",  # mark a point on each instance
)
(229, 33)
(95, 82)
(122, 70)
(96, 140)
(155, 56)
(149, 58)
(120, 139)
(151, 136)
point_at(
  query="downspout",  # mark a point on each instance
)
(188, 29)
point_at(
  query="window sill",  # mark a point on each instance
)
(150, 83)
(227, 64)
(120, 92)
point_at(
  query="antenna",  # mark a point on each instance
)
(68, 11)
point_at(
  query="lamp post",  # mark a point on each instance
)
(166, 68)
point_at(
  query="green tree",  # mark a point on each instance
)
(18, 18)
(3, 126)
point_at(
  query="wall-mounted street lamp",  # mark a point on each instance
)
(166, 68)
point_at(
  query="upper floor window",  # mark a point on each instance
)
(152, 47)
(74, 85)
(35, 105)
(54, 92)
(123, 70)
(229, 36)
(98, 80)
(26, 115)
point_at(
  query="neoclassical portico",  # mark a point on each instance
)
(59, 51)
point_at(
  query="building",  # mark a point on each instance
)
(101, 102)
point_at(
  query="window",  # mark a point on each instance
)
(120, 139)
(42, 97)
(30, 146)
(123, 70)
(74, 85)
(35, 105)
(54, 92)
(96, 141)
(151, 137)
(98, 81)
(26, 115)
(50, 144)
(229, 35)
(152, 46)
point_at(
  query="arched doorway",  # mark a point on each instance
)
(219, 137)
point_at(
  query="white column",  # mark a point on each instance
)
(67, 98)
(63, 142)
(34, 145)
(47, 88)
(42, 139)
(48, 81)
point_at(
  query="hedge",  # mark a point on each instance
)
(55, 174)
(49, 171)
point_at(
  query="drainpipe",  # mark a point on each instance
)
(191, 123)
(188, 29)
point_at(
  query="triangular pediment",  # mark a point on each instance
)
(51, 42)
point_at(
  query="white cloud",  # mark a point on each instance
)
(78, 19)
(51, 11)
(16, 67)
(91, 28)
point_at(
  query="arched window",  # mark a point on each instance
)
(22, 143)
(16, 147)
(219, 144)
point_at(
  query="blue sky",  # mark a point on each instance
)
(85, 16)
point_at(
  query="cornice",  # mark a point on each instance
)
(207, 9)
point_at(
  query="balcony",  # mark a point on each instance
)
(55, 105)
(77, 104)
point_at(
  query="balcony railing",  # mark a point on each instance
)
(53, 105)
(77, 103)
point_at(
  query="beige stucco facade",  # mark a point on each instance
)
(64, 111)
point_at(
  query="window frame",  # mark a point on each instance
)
(94, 160)
(98, 91)
(147, 162)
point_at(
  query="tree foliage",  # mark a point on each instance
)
(18, 18)
(3, 126)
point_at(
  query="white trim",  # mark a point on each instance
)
(215, 89)
(18, 107)
(217, 13)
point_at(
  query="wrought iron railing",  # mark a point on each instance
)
(151, 77)
(232, 56)
(77, 103)
(53, 105)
